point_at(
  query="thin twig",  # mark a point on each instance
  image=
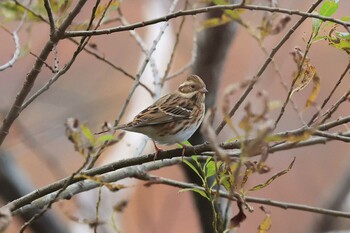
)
(103, 59)
(15, 37)
(16, 107)
(142, 69)
(193, 56)
(53, 200)
(284, 205)
(330, 94)
(264, 66)
(81, 45)
(16, 52)
(140, 43)
(297, 76)
(48, 8)
(97, 208)
(177, 40)
(303, 15)
(45, 63)
(332, 136)
(88, 51)
(335, 106)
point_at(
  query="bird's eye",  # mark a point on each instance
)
(193, 86)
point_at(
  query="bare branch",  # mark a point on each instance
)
(266, 63)
(335, 106)
(190, 63)
(291, 88)
(283, 205)
(85, 185)
(33, 74)
(141, 44)
(177, 40)
(143, 67)
(330, 94)
(15, 54)
(203, 149)
(81, 46)
(17, 44)
(332, 136)
(165, 18)
(50, 16)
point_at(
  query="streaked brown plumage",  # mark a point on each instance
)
(174, 117)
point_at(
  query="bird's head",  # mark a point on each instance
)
(192, 86)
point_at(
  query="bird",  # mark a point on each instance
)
(174, 117)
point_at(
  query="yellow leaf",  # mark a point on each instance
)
(315, 90)
(291, 137)
(266, 224)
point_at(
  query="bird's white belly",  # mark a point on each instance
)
(181, 136)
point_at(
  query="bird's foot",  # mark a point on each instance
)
(157, 151)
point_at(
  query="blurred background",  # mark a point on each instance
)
(94, 93)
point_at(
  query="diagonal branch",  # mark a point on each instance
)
(33, 74)
(264, 66)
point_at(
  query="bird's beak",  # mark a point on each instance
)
(203, 90)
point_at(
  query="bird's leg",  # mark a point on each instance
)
(183, 150)
(157, 150)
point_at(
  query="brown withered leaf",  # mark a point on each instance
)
(305, 75)
(91, 222)
(99, 180)
(270, 27)
(250, 118)
(282, 23)
(120, 206)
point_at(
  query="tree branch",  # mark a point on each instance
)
(165, 18)
(284, 205)
(16, 107)
(264, 66)
(202, 149)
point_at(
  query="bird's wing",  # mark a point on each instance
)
(167, 109)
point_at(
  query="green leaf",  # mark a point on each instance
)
(87, 133)
(195, 158)
(186, 143)
(199, 191)
(316, 24)
(105, 138)
(220, 2)
(210, 169)
(318, 38)
(329, 7)
(10, 11)
(340, 40)
(345, 18)
(225, 181)
(188, 163)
